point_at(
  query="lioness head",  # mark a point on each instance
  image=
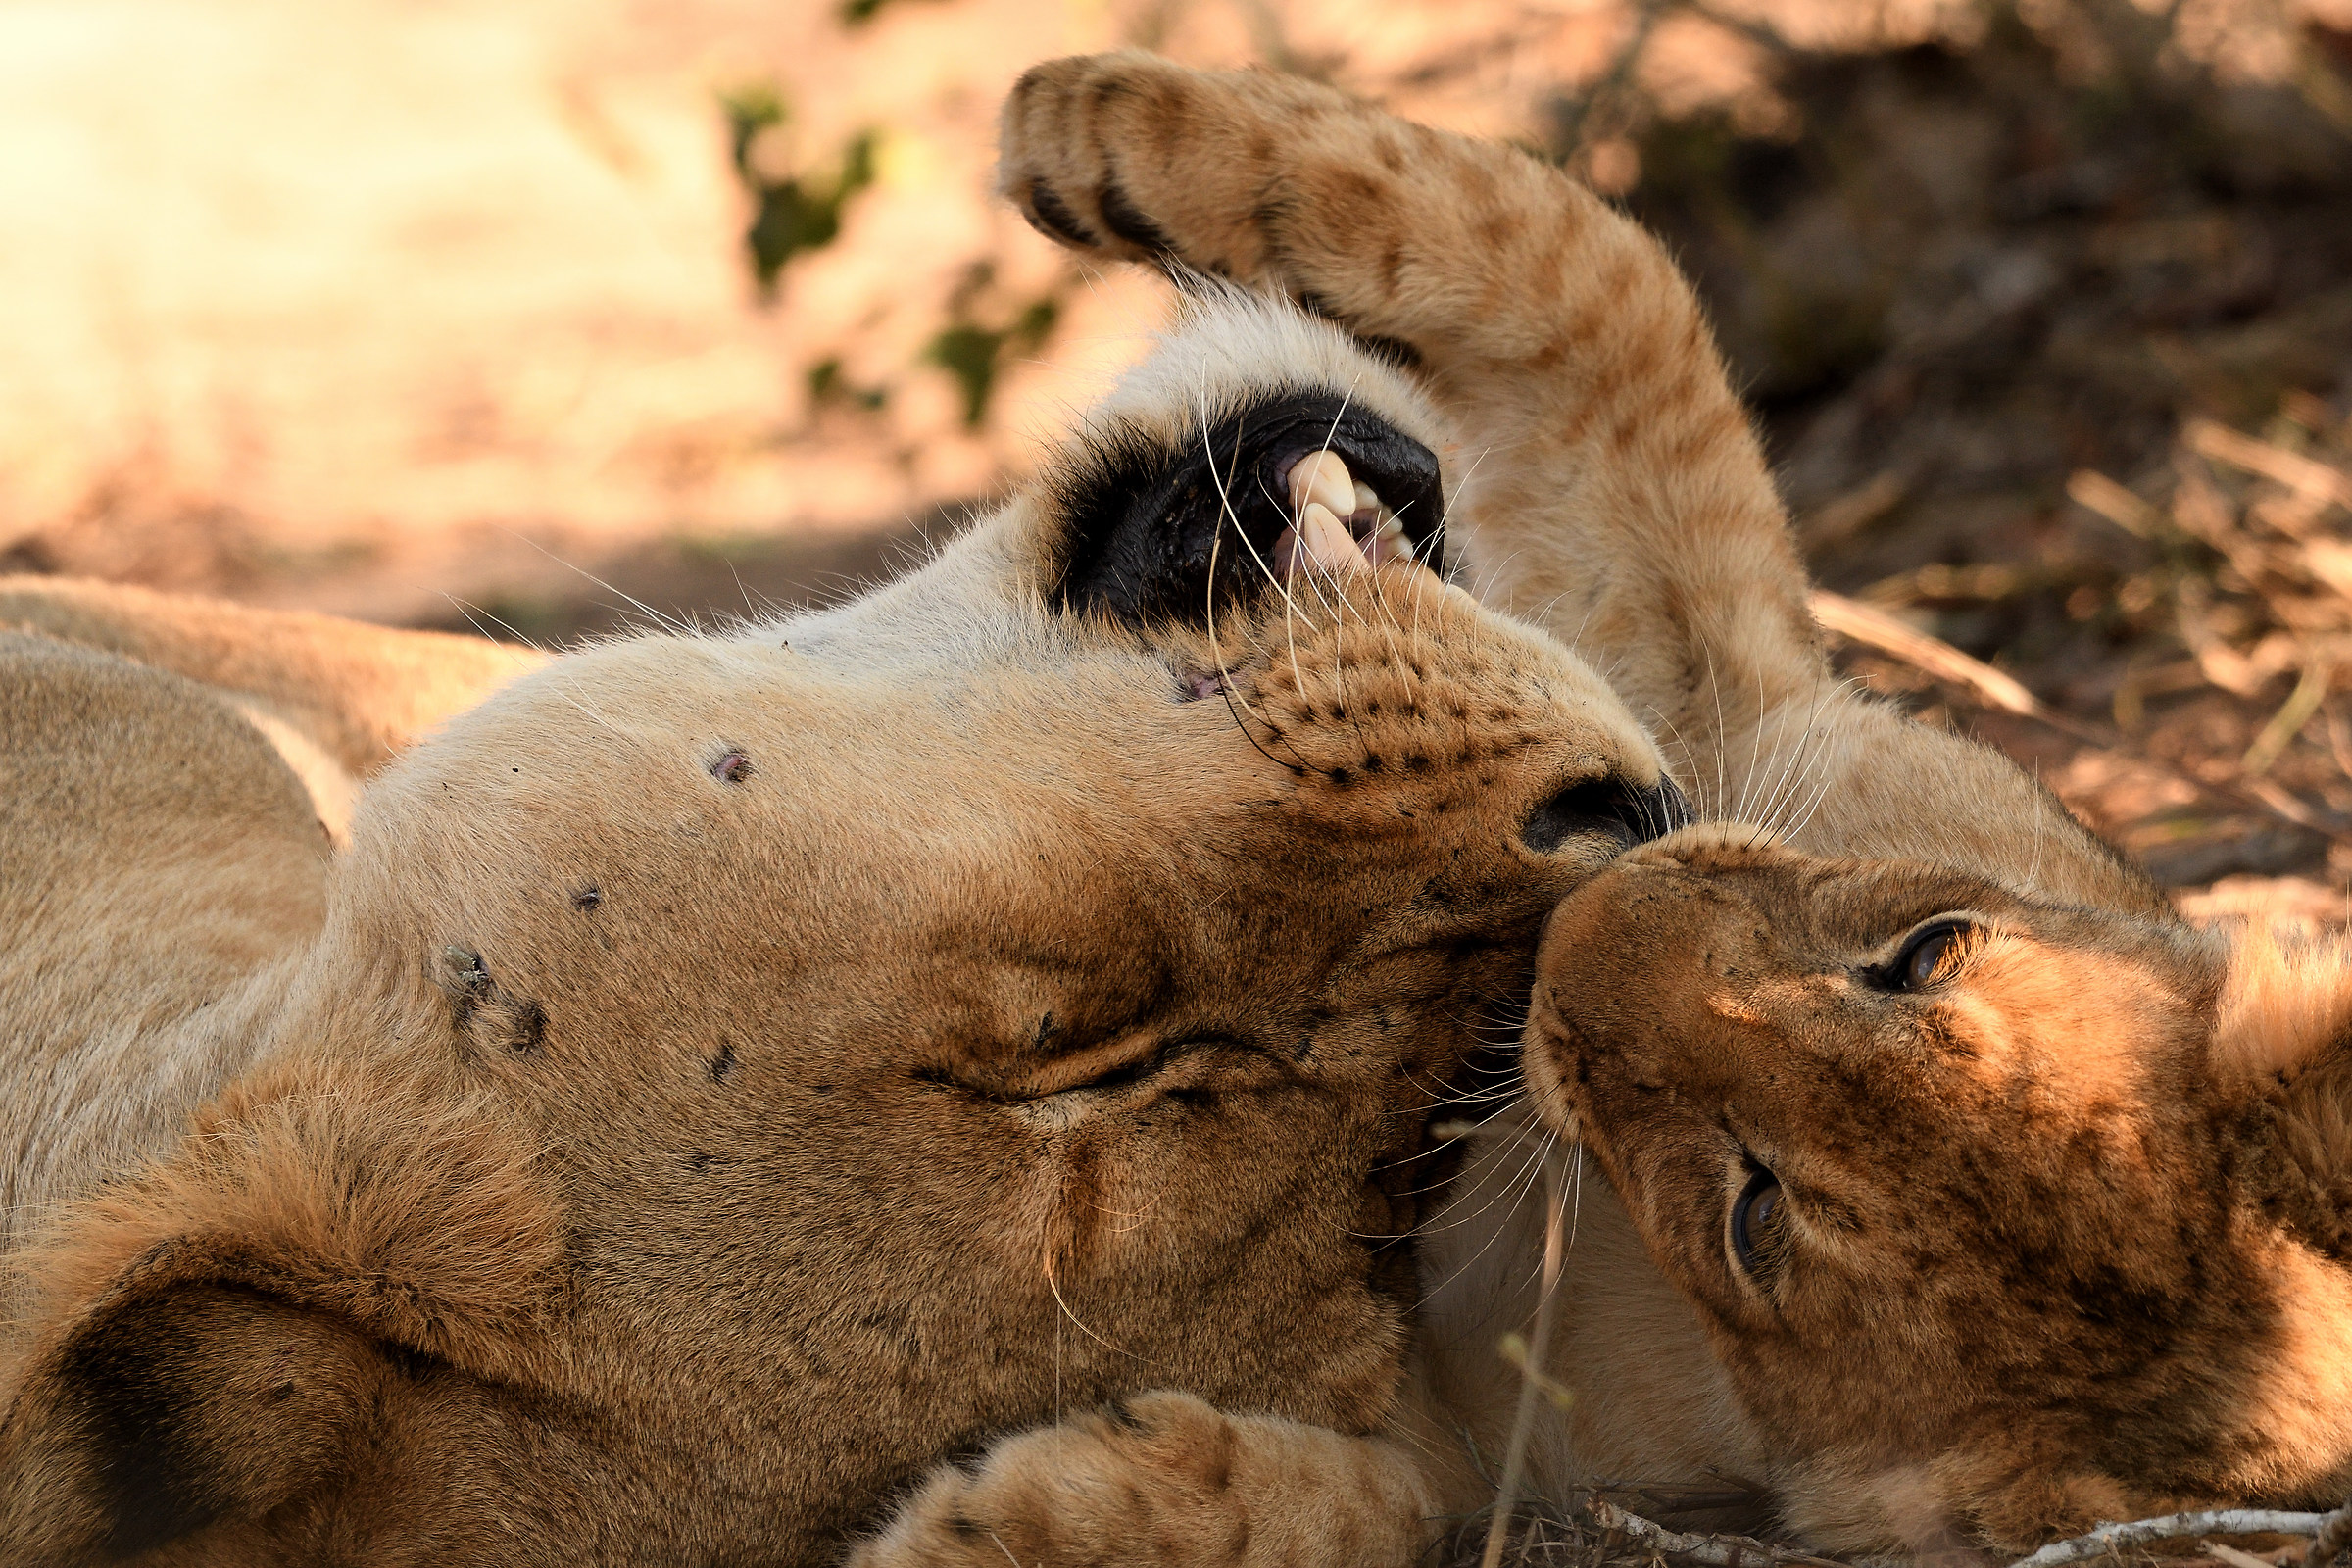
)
(2004, 1217)
(738, 1070)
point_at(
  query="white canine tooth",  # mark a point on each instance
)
(1322, 479)
(1389, 527)
(1327, 540)
(1366, 498)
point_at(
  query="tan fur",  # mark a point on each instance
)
(725, 1075)
(1610, 490)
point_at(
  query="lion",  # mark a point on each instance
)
(1612, 492)
(708, 1080)
(2004, 1215)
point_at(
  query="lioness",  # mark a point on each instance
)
(722, 1075)
(1613, 489)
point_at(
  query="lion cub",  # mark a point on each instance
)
(2004, 1215)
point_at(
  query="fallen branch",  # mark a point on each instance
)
(1717, 1552)
(2211, 1522)
(1865, 624)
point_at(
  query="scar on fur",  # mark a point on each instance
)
(731, 768)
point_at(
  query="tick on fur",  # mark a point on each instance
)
(588, 897)
(733, 767)
(465, 967)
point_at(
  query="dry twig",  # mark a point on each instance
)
(2106, 1539)
(1718, 1551)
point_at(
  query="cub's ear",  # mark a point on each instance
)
(174, 1405)
(2286, 1004)
(217, 1346)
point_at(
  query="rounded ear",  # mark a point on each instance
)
(2285, 1000)
(221, 1342)
(177, 1404)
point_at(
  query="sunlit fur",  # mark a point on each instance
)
(1606, 486)
(2062, 1236)
(725, 1075)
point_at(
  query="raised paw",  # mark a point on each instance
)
(1134, 157)
(1430, 242)
(1162, 1481)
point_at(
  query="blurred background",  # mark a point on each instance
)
(492, 311)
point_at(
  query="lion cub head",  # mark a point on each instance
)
(739, 1070)
(2004, 1217)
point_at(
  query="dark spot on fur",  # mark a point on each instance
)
(528, 1028)
(725, 1067)
(1051, 218)
(1127, 221)
(484, 1015)
(698, 1162)
(965, 1526)
(281, 1393)
(588, 897)
(732, 768)
(1122, 1415)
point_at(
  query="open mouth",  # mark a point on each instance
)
(1153, 534)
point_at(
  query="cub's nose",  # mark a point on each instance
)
(1611, 807)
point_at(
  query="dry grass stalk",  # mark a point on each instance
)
(1532, 1380)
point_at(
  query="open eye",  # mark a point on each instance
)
(1754, 1214)
(1932, 956)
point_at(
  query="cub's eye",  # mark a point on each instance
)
(1754, 1213)
(1931, 957)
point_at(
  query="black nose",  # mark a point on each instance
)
(1610, 806)
(1143, 525)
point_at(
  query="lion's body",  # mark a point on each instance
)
(175, 773)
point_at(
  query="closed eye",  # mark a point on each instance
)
(1930, 956)
(1104, 1069)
